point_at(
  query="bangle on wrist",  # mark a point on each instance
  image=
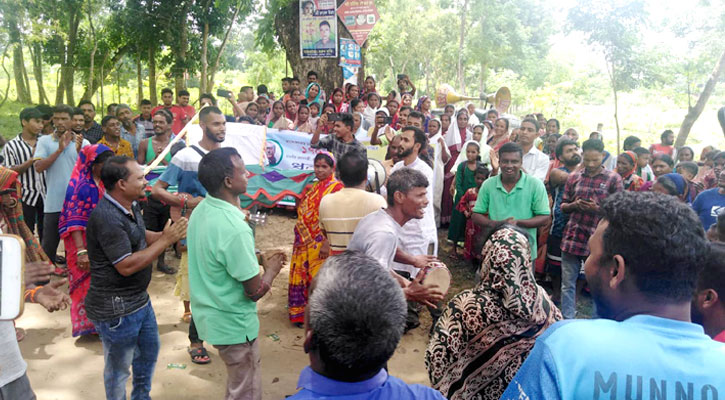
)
(30, 294)
(81, 252)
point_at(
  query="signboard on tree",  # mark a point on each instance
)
(318, 28)
(359, 17)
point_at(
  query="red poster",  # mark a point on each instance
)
(359, 17)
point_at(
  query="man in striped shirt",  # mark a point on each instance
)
(18, 156)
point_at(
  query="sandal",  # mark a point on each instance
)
(186, 317)
(199, 355)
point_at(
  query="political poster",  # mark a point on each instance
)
(359, 17)
(318, 28)
(350, 54)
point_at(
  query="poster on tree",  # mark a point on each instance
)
(318, 28)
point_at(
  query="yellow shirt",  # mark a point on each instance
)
(123, 148)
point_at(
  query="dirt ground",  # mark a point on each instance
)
(67, 368)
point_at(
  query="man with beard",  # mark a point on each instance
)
(584, 191)
(156, 213)
(130, 131)
(56, 155)
(642, 274)
(92, 131)
(183, 172)
(567, 152)
(667, 139)
(513, 197)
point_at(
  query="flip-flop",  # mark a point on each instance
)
(186, 317)
(198, 353)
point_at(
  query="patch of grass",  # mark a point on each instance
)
(9, 121)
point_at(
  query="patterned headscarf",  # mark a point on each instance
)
(82, 194)
(487, 332)
(14, 221)
(317, 98)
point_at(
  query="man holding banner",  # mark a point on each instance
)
(183, 172)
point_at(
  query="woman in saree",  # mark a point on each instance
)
(485, 334)
(456, 135)
(372, 107)
(290, 108)
(338, 100)
(353, 92)
(311, 248)
(423, 107)
(276, 118)
(626, 167)
(313, 93)
(303, 122)
(500, 134)
(84, 191)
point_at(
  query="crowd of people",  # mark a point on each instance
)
(541, 217)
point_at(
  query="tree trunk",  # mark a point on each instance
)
(215, 66)
(23, 91)
(180, 49)
(36, 56)
(287, 27)
(152, 74)
(612, 72)
(204, 61)
(694, 112)
(139, 80)
(101, 76)
(101, 84)
(461, 75)
(93, 51)
(7, 79)
(59, 86)
(68, 70)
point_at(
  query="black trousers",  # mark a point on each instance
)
(51, 237)
(33, 215)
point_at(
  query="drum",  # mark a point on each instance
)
(436, 273)
(377, 176)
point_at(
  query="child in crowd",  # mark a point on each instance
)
(471, 251)
(465, 179)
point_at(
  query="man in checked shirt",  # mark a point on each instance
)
(584, 191)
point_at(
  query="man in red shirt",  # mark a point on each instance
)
(668, 139)
(708, 303)
(167, 97)
(182, 111)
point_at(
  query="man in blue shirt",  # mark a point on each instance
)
(353, 323)
(56, 155)
(642, 274)
(711, 202)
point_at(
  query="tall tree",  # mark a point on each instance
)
(280, 26)
(12, 12)
(614, 27)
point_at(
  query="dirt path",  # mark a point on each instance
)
(63, 367)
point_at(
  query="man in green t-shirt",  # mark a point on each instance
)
(224, 275)
(512, 197)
